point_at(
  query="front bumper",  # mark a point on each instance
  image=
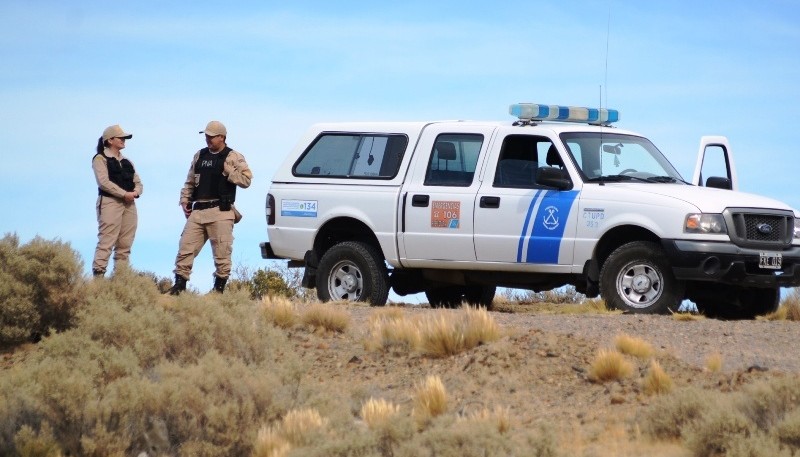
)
(727, 263)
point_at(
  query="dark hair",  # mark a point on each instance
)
(101, 144)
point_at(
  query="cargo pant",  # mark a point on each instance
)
(117, 222)
(201, 226)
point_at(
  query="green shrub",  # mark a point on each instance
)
(270, 283)
(672, 416)
(41, 288)
(183, 375)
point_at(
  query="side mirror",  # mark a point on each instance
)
(553, 177)
(719, 183)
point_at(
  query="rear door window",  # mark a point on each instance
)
(353, 155)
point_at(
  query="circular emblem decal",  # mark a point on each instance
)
(764, 229)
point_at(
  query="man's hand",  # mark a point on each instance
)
(129, 197)
(227, 168)
(187, 209)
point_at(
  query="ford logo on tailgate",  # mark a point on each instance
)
(764, 229)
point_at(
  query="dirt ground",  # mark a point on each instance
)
(538, 371)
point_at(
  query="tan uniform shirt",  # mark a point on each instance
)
(101, 175)
(235, 169)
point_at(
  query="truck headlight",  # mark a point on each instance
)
(796, 228)
(710, 224)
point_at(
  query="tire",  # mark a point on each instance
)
(637, 278)
(444, 297)
(454, 296)
(353, 271)
(480, 296)
(742, 303)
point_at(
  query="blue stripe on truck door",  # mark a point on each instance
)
(543, 229)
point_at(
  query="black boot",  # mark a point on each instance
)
(219, 284)
(180, 285)
(98, 274)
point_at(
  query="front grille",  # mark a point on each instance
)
(759, 228)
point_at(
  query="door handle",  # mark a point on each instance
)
(490, 202)
(420, 200)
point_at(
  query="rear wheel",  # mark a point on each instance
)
(353, 271)
(637, 278)
(454, 296)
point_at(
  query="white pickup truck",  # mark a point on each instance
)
(557, 196)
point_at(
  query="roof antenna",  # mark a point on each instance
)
(605, 82)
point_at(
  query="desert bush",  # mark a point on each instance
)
(672, 416)
(265, 282)
(716, 432)
(563, 295)
(162, 283)
(657, 381)
(630, 345)
(41, 287)
(447, 437)
(326, 317)
(181, 375)
(788, 430)
(767, 403)
(609, 365)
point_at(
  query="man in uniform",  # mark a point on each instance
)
(207, 200)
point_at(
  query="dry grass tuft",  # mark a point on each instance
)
(280, 311)
(299, 426)
(789, 309)
(327, 317)
(390, 329)
(687, 317)
(499, 417)
(446, 333)
(269, 443)
(636, 347)
(430, 399)
(657, 381)
(609, 365)
(479, 327)
(714, 362)
(378, 413)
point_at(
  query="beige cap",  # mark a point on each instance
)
(115, 131)
(215, 128)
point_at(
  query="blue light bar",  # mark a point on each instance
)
(532, 111)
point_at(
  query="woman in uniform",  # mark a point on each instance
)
(118, 186)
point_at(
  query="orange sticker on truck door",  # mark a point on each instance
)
(445, 214)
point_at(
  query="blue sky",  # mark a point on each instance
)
(676, 71)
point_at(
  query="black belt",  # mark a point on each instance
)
(205, 205)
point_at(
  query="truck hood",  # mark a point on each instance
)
(709, 199)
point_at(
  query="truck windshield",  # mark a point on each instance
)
(604, 157)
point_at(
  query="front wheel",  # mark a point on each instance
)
(637, 278)
(353, 271)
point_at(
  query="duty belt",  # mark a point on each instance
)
(205, 205)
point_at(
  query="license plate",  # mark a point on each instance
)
(770, 260)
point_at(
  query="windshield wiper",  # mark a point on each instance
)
(617, 178)
(666, 179)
